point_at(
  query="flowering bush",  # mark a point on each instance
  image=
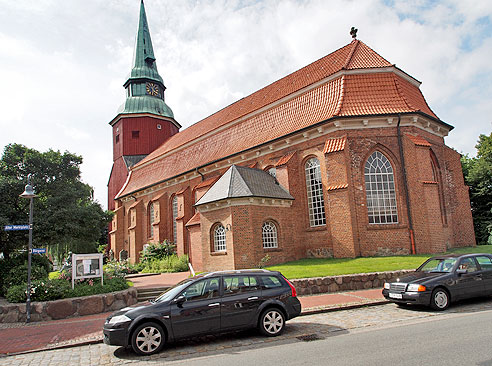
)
(119, 269)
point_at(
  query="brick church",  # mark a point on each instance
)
(342, 158)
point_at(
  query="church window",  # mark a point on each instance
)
(151, 220)
(269, 235)
(135, 134)
(175, 215)
(380, 190)
(314, 186)
(117, 138)
(219, 238)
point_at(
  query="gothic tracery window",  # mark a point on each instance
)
(380, 190)
(175, 216)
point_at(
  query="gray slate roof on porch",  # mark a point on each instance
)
(239, 181)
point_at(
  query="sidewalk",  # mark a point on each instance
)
(21, 337)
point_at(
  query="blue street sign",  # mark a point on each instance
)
(16, 227)
(38, 250)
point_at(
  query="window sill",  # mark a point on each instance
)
(268, 250)
(214, 254)
(386, 226)
(316, 228)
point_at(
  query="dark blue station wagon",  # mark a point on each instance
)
(204, 304)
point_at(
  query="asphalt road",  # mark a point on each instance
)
(453, 339)
(378, 335)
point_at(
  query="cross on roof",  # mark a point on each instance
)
(353, 32)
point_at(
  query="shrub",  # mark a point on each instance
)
(41, 290)
(17, 260)
(61, 288)
(157, 251)
(171, 263)
(18, 275)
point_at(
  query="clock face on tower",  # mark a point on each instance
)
(152, 89)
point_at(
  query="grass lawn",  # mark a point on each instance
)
(314, 267)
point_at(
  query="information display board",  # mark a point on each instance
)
(87, 266)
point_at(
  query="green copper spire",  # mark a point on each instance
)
(145, 87)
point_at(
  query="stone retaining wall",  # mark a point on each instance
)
(362, 281)
(68, 308)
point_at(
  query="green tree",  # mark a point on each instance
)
(478, 175)
(66, 217)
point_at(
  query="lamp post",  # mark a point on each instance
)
(29, 193)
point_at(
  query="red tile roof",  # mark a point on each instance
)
(346, 95)
(195, 220)
(285, 159)
(419, 141)
(208, 182)
(336, 144)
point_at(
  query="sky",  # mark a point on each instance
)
(63, 62)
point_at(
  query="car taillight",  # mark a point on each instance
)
(294, 292)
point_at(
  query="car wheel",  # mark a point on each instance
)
(272, 322)
(439, 299)
(148, 338)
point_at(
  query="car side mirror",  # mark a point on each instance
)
(460, 272)
(180, 300)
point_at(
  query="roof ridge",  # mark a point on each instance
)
(401, 94)
(349, 58)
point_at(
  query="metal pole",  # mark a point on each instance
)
(29, 253)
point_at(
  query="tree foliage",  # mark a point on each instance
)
(478, 176)
(66, 217)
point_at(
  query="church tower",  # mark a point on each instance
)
(145, 121)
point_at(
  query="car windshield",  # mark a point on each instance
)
(172, 292)
(444, 265)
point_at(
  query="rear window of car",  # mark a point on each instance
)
(485, 263)
(239, 284)
(271, 282)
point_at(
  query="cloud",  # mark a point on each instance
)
(64, 62)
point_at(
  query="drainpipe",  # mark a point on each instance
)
(405, 184)
(203, 178)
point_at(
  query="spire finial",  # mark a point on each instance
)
(353, 32)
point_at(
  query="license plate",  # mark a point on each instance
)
(395, 296)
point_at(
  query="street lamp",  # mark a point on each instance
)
(29, 193)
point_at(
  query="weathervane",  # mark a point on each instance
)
(353, 32)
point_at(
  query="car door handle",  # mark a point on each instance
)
(214, 304)
(253, 298)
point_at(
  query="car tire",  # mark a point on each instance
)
(148, 338)
(272, 322)
(440, 299)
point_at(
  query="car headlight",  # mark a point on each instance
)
(119, 319)
(387, 285)
(415, 287)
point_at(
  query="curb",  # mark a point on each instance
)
(309, 311)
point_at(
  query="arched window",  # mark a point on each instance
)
(314, 186)
(380, 190)
(151, 220)
(269, 235)
(219, 238)
(175, 215)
